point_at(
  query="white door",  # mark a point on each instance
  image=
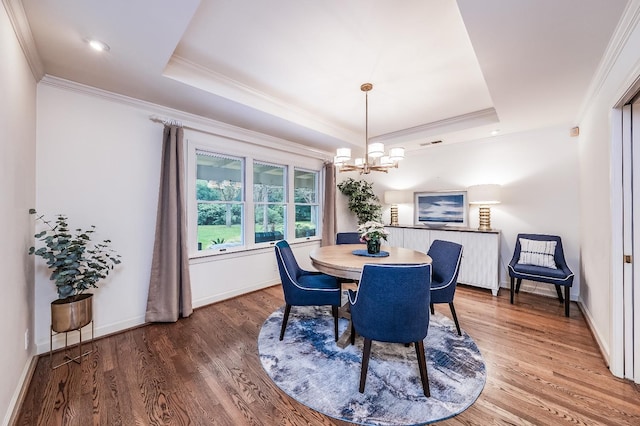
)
(631, 237)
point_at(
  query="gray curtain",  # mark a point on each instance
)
(329, 213)
(170, 286)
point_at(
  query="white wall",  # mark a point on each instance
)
(596, 184)
(17, 192)
(98, 161)
(538, 172)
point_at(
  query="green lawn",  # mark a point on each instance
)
(209, 233)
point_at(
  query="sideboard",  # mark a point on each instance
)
(480, 265)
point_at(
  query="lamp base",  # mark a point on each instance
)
(394, 215)
(485, 219)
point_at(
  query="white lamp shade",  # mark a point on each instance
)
(343, 154)
(484, 194)
(385, 161)
(396, 154)
(396, 197)
(376, 150)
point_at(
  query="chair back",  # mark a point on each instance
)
(288, 267)
(446, 257)
(558, 254)
(348, 238)
(392, 303)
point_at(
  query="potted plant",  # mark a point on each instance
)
(77, 264)
(363, 202)
(372, 232)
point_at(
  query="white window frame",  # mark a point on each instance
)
(217, 144)
(318, 203)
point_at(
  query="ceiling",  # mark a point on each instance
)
(441, 69)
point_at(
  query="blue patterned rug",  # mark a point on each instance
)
(308, 366)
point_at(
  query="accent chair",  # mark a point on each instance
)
(539, 257)
(446, 257)
(392, 305)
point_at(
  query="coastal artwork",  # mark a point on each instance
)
(441, 208)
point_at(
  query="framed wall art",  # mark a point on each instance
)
(441, 208)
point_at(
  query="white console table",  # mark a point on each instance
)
(480, 265)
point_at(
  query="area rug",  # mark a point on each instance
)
(308, 366)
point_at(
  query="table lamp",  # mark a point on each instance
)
(394, 198)
(484, 196)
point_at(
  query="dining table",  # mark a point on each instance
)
(347, 260)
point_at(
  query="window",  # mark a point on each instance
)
(220, 196)
(245, 196)
(305, 192)
(269, 197)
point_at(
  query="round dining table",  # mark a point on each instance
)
(340, 260)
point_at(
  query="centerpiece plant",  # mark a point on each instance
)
(77, 264)
(372, 233)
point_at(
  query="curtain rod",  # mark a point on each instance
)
(168, 121)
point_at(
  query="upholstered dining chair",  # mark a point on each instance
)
(305, 288)
(540, 258)
(348, 238)
(445, 257)
(392, 305)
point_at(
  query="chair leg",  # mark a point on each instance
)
(455, 318)
(518, 282)
(353, 333)
(285, 318)
(559, 294)
(512, 288)
(433, 312)
(422, 365)
(567, 301)
(366, 352)
(334, 311)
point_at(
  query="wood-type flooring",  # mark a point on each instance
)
(542, 369)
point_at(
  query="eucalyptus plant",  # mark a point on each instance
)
(77, 262)
(363, 202)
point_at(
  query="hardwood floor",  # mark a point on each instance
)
(543, 369)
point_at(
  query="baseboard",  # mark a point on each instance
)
(231, 294)
(19, 394)
(604, 349)
(74, 337)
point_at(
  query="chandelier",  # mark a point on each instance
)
(374, 155)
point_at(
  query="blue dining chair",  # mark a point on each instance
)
(446, 257)
(305, 288)
(540, 258)
(348, 238)
(392, 305)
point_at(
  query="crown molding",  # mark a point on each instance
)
(465, 121)
(22, 29)
(194, 122)
(627, 24)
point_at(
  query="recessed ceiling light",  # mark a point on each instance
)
(495, 132)
(98, 45)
